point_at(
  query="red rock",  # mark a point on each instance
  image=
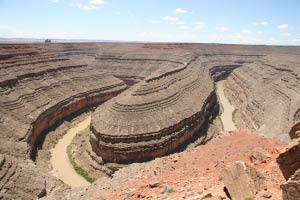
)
(295, 131)
(242, 180)
(259, 155)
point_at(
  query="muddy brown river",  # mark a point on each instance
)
(60, 162)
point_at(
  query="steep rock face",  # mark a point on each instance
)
(18, 180)
(291, 189)
(266, 94)
(156, 116)
(43, 84)
(295, 131)
(35, 104)
(289, 164)
(242, 180)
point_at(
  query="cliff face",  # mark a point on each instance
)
(155, 117)
(169, 96)
(266, 94)
(40, 96)
(158, 115)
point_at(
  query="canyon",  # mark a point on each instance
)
(150, 104)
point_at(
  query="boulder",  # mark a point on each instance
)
(289, 164)
(242, 180)
(295, 131)
(291, 189)
(259, 155)
(289, 160)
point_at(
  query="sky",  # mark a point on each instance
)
(273, 22)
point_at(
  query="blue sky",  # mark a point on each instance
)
(209, 21)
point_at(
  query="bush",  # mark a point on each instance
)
(78, 169)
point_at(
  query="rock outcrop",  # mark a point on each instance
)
(295, 131)
(289, 160)
(170, 96)
(266, 94)
(18, 180)
(291, 189)
(241, 180)
(35, 99)
(191, 174)
(158, 115)
(289, 164)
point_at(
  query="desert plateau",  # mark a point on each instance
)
(157, 100)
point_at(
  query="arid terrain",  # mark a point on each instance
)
(149, 121)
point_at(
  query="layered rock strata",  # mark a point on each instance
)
(46, 90)
(18, 180)
(266, 94)
(158, 115)
(172, 95)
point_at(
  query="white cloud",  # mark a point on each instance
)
(171, 19)
(240, 38)
(184, 27)
(92, 5)
(84, 6)
(12, 32)
(245, 31)
(222, 29)
(285, 34)
(294, 40)
(181, 11)
(155, 21)
(166, 37)
(177, 23)
(283, 26)
(55, 1)
(198, 25)
(263, 23)
(97, 2)
(259, 32)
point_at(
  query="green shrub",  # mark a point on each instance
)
(78, 169)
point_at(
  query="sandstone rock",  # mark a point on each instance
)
(42, 85)
(207, 196)
(158, 115)
(291, 189)
(289, 164)
(259, 155)
(295, 131)
(154, 184)
(289, 160)
(242, 180)
(271, 92)
(18, 180)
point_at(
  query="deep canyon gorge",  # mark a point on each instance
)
(150, 104)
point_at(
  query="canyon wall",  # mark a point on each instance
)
(156, 116)
(266, 94)
(163, 94)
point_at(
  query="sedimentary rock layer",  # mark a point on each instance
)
(171, 95)
(266, 94)
(18, 179)
(35, 101)
(158, 115)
